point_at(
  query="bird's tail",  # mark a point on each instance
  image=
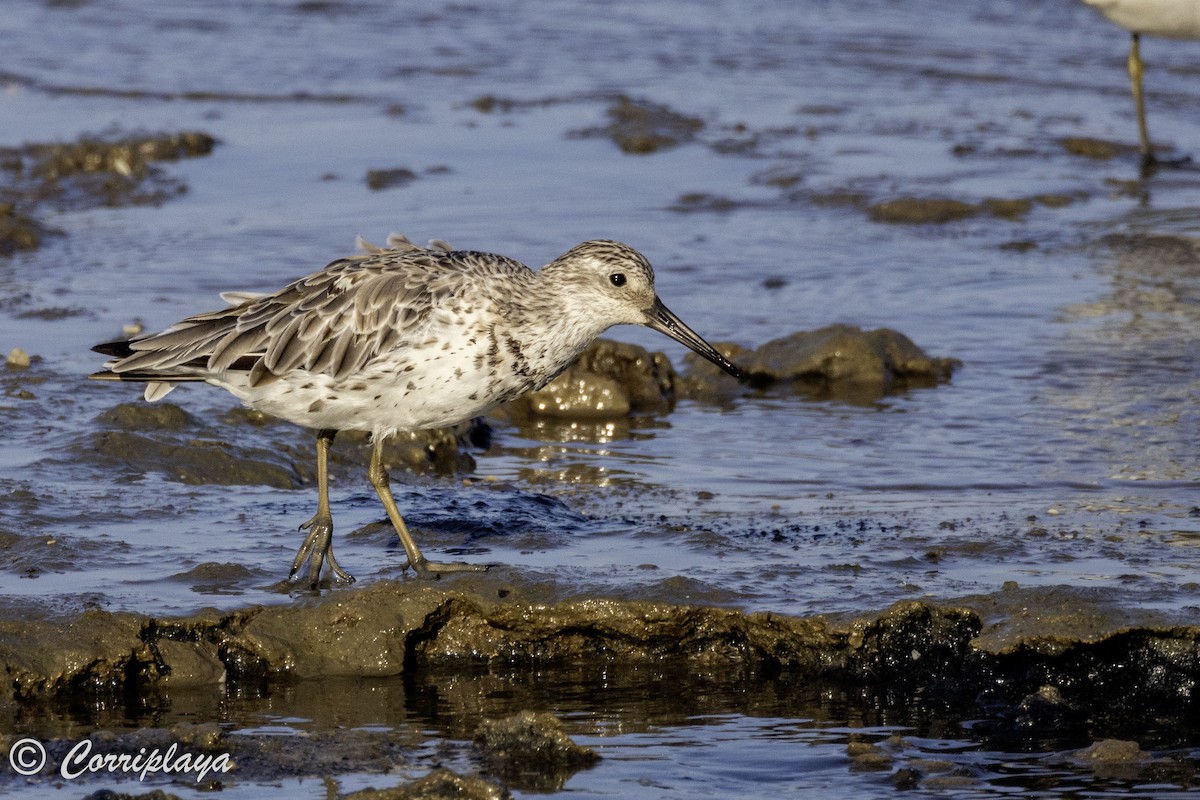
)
(158, 385)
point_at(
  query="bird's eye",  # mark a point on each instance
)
(617, 278)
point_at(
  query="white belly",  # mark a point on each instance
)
(430, 388)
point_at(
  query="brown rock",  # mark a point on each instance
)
(609, 380)
(840, 361)
(921, 210)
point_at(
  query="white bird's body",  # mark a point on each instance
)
(1169, 19)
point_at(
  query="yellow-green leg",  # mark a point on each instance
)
(1136, 68)
(379, 479)
(318, 544)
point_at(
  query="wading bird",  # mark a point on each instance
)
(401, 338)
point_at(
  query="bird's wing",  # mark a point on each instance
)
(331, 322)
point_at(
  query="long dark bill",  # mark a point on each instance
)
(661, 319)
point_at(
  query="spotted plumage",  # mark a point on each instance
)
(401, 338)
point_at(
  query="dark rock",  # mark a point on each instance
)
(438, 451)
(1013, 208)
(868, 757)
(531, 751)
(488, 103)
(378, 179)
(182, 448)
(1046, 711)
(128, 156)
(1112, 751)
(703, 201)
(90, 172)
(1114, 759)
(111, 794)
(1054, 200)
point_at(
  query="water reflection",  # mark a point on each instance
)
(712, 733)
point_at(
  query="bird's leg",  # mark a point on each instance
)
(318, 544)
(379, 479)
(1139, 100)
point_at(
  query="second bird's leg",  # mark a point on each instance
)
(379, 479)
(1136, 69)
(318, 544)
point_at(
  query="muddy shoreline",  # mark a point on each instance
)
(1103, 659)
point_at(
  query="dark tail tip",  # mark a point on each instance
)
(118, 349)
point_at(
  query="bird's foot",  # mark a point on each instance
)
(434, 569)
(317, 549)
(1152, 163)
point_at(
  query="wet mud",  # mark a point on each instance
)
(936, 210)
(1093, 658)
(641, 127)
(438, 784)
(1099, 149)
(379, 179)
(137, 438)
(18, 231)
(92, 171)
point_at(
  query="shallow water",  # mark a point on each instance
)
(721, 736)
(1063, 451)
